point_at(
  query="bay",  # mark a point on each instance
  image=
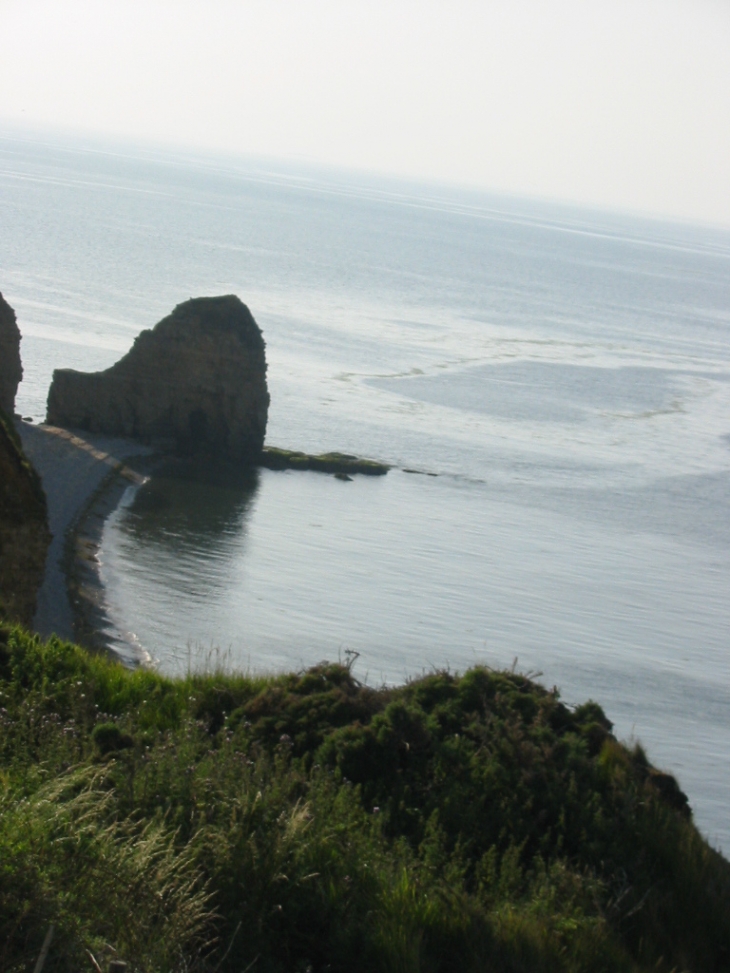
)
(562, 374)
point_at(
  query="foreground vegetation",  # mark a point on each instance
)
(308, 823)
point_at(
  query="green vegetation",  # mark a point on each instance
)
(287, 459)
(306, 822)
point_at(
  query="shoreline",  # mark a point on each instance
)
(84, 476)
(92, 625)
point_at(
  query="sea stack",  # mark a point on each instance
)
(195, 384)
(11, 370)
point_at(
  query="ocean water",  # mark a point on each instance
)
(556, 380)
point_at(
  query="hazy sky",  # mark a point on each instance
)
(621, 103)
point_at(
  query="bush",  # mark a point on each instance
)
(308, 822)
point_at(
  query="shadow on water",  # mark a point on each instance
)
(191, 510)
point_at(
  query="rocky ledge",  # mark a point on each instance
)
(273, 458)
(194, 384)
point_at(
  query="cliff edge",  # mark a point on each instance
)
(11, 370)
(24, 534)
(194, 384)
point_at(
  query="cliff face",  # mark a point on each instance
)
(11, 371)
(196, 383)
(24, 534)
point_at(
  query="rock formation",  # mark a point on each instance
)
(24, 535)
(195, 383)
(11, 371)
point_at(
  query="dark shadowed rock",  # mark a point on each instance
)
(24, 535)
(11, 371)
(194, 384)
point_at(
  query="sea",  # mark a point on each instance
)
(550, 384)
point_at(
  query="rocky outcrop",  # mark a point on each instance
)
(194, 384)
(24, 534)
(341, 464)
(11, 371)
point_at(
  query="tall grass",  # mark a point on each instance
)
(67, 859)
(306, 822)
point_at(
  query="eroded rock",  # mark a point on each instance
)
(194, 384)
(24, 534)
(11, 370)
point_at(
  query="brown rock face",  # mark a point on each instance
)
(11, 371)
(195, 383)
(24, 535)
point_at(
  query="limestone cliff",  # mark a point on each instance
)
(24, 535)
(195, 383)
(11, 371)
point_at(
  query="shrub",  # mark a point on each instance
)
(308, 822)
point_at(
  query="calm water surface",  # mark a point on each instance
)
(564, 373)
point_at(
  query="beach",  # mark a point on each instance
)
(83, 476)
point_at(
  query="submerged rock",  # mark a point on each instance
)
(11, 370)
(24, 534)
(195, 384)
(340, 464)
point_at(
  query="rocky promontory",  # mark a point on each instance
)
(24, 534)
(194, 384)
(11, 370)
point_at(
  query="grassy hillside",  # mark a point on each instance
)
(306, 822)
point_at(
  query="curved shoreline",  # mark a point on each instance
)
(84, 477)
(92, 624)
